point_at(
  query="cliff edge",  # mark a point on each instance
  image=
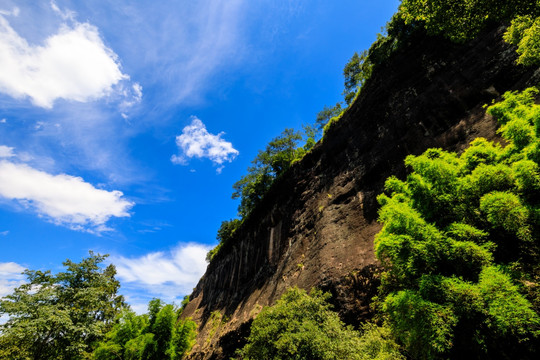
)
(315, 227)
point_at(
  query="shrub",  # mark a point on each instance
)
(449, 232)
(302, 326)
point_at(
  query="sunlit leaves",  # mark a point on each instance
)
(60, 316)
(445, 229)
(302, 326)
(158, 335)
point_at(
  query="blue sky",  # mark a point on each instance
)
(124, 124)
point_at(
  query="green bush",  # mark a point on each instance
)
(451, 232)
(525, 34)
(302, 326)
(460, 20)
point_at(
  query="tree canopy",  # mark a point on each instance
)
(60, 316)
(157, 335)
(269, 164)
(462, 20)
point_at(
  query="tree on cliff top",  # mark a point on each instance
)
(269, 164)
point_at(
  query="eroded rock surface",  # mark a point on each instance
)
(316, 226)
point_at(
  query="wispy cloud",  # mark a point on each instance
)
(6, 151)
(73, 64)
(14, 12)
(10, 277)
(63, 199)
(168, 275)
(185, 45)
(196, 141)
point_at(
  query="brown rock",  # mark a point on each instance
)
(316, 226)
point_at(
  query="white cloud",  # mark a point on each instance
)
(63, 199)
(4, 233)
(6, 151)
(73, 64)
(196, 141)
(10, 277)
(14, 12)
(3, 121)
(169, 275)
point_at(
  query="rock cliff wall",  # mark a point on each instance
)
(317, 224)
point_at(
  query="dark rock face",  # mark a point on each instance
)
(317, 225)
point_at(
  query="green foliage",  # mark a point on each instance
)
(327, 113)
(267, 166)
(302, 326)
(450, 231)
(355, 73)
(157, 335)
(462, 20)
(60, 316)
(224, 235)
(423, 327)
(524, 33)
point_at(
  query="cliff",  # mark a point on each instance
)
(317, 224)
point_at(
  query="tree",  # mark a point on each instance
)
(267, 166)
(460, 242)
(157, 335)
(302, 326)
(224, 235)
(324, 116)
(60, 316)
(525, 34)
(355, 73)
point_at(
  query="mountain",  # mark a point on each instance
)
(315, 227)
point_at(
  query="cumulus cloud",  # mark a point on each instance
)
(62, 199)
(73, 64)
(166, 274)
(10, 277)
(196, 141)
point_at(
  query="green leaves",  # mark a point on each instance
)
(158, 335)
(355, 73)
(462, 20)
(302, 326)
(224, 235)
(450, 228)
(267, 166)
(60, 316)
(525, 34)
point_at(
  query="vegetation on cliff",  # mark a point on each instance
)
(460, 244)
(460, 238)
(460, 251)
(302, 326)
(458, 21)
